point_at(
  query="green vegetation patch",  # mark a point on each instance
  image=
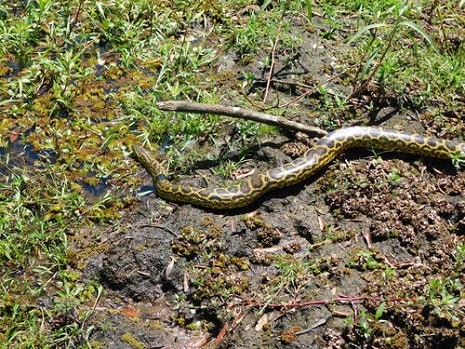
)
(79, 83)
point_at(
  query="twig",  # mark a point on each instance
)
(319, 323)
(305, 94)
(337, 300)
(160, 227)
(272, 64)
(238, 112)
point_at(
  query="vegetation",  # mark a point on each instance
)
(79, 83)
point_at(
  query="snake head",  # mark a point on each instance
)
(150, 162)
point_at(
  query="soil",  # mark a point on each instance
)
(363, 255)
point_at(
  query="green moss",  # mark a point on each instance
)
(132, 341)
(79, 83)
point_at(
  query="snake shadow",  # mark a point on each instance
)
(432, 165)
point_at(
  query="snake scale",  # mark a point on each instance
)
(324, 151)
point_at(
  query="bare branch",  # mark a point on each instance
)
(237, 112)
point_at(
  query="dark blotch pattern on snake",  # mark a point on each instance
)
(325, 150)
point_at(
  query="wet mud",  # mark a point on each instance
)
(363, 255)
(309, 266)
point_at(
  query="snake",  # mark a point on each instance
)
(310, 163)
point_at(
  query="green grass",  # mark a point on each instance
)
(42, 301)
(79, 83)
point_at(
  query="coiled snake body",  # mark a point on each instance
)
(325, 150)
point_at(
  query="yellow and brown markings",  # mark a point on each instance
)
(326, 149)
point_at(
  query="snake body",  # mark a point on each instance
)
(325, 150)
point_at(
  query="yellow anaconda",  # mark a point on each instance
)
(325, 150)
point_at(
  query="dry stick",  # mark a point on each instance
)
(337, 300)
(303, 95)
(272, 64)
(312, 90)
(237, 112)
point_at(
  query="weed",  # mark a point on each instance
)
(392, 54)
(365, 260)
(394, 176)
(35, 220)
(363, 326)
(380, 310)
(79, 84)
(379, 47)
(458, 160)
(294, 272)
(460, 257)
(444, 292)
(227, 168)
(389, 273)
